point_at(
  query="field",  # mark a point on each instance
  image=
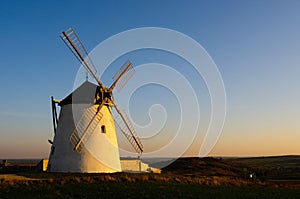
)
(136, 186)
(184, 178)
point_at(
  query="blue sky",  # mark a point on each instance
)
(255, 44)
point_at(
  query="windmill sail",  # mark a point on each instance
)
(85, 127)
(122, 76)
(126, 127)
(73, 42)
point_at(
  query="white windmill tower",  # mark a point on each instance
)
(84, 134)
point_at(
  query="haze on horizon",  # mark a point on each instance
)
(255, 44)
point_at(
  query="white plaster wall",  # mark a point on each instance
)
(133, 166)
(100, 152)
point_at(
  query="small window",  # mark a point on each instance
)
(103, 130)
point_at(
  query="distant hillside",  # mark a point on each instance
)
(265, 168)
(274, 167)
(207, 166)
(290, 161)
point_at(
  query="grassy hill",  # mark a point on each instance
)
(264, 168)
(290, 161)
(274, 167)
(205, 167)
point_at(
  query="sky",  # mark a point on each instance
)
(255, 45)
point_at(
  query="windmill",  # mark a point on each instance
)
(84, 134)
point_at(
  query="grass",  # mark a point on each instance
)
(277, 177)
(140, 190)
(137, 186)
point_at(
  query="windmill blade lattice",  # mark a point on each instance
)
(85, 127)
(122, 76)
(79, 46)
(126, 127)
(73, 42)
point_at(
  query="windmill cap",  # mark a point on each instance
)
(84, 94)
